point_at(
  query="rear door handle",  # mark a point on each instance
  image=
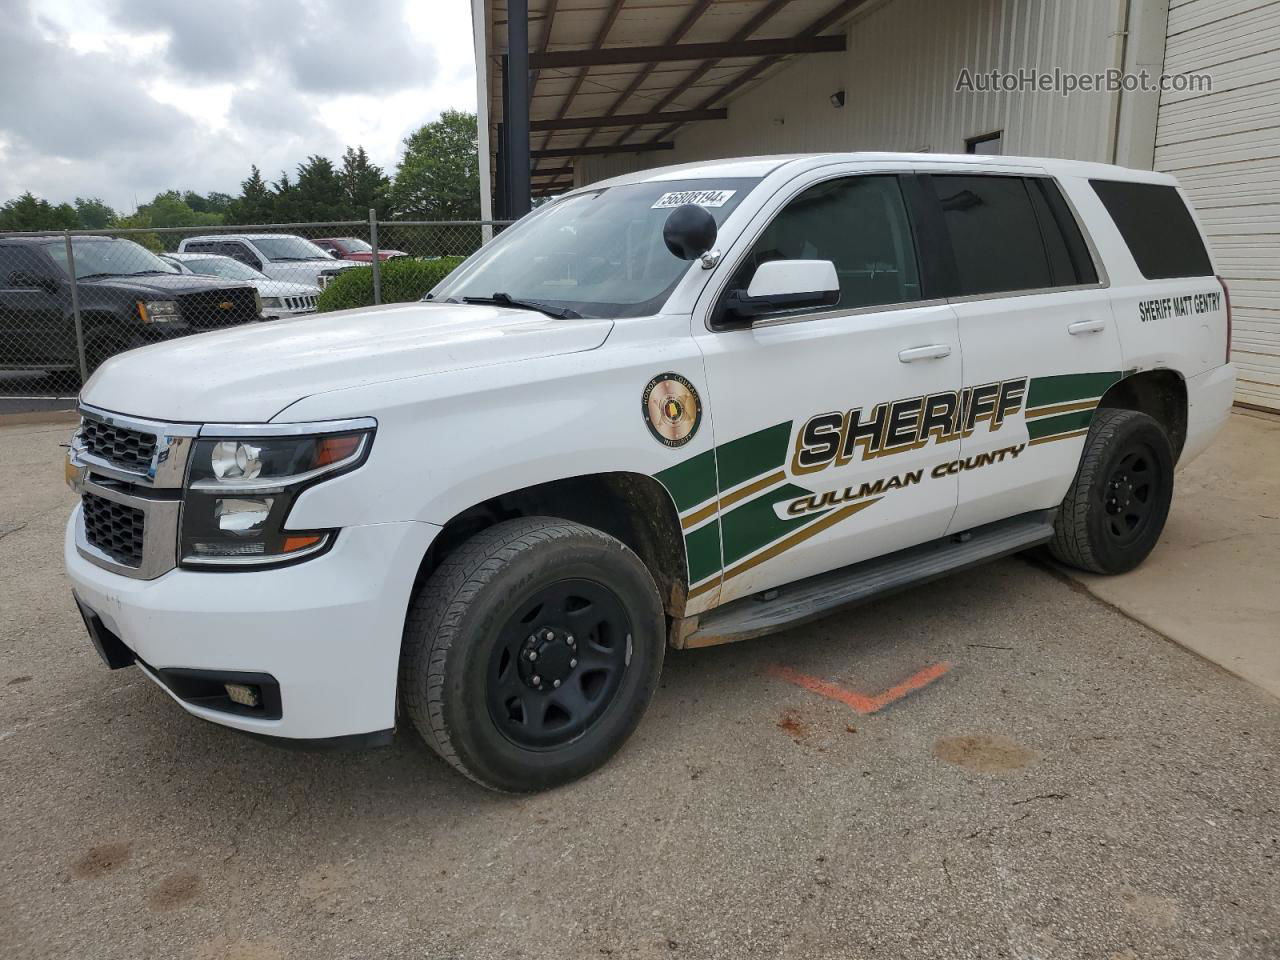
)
(935, 352)
(1086, 326)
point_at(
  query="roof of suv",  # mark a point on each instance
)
(242, 236)
(765, 165)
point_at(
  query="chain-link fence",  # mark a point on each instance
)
(70, 300)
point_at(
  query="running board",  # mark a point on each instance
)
(815, 597)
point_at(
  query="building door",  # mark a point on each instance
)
(818, 415)
(1224, 147)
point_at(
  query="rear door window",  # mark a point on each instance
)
(995, 234)
(1158, 227)
(1070, 261)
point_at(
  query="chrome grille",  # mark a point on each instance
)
(127, 449)
(300, 303)
(115, 529)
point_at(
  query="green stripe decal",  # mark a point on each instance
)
(692, 482)
(703, 546)
(1063, 423)
(754, 524)
(756, 453)
(1047, 391)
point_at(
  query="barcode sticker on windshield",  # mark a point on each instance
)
(703, 198)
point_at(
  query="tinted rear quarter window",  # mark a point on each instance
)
(1158, 227)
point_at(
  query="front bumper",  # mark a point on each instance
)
(327, 631)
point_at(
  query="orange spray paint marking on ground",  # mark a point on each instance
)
(860, 702)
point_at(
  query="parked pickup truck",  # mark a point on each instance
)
(127, 297)
(678, 408)
(278, 256)
(353, 248)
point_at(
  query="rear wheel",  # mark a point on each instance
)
(531, 653)
(1116, 509)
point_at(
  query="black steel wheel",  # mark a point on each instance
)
(1129, 497)
(531, 653)
(1115, 510)
(558, 663)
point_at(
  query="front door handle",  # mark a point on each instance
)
(1086, 326)
(935, 352)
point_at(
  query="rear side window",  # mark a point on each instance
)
(1158, 227)
(995, 236)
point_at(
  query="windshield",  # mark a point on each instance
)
(600, 254)
(107, 257)
(355, 245)
(289, 248)
(223, 267)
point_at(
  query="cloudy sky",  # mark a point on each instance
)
(120, 99)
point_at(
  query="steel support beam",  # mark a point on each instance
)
(601, 151)
(516, 122)
(612, 56)
(630, 119)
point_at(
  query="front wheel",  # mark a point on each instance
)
(1119, 500)
(531, 653)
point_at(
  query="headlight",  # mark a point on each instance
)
(258, 302)
(158, 311)
(270, 302)
(240, 491)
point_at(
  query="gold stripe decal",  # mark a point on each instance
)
(799, 537)
(1038, 412)
(703, 588)
(1059, 436)
(695, 518)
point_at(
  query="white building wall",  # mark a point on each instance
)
(1225, 148)
(899, 75)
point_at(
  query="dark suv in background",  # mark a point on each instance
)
(128, 297)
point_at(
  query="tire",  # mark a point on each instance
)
(1117, 505)
(563, 592)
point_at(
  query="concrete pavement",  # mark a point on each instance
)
(1213, 582)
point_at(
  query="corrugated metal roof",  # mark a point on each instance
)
(627, 89)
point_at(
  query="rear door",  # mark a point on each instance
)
(1040, 342)
(819, 415)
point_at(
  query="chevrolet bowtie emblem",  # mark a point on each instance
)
(225, 305)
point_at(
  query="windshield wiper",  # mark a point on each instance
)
(95, 276)
(506, 300)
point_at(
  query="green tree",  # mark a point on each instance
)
(219, 202)
(364, 185)
(170, 209)
(29, 212)
(439, 174)
(93, 214)
(318, 190)
(255, 203)
(284, 201)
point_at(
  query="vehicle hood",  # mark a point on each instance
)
(305, 271)
(250, 373)
(164, 284)
(284, 288)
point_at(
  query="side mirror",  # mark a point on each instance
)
(782, 285)
(690, 231)
(26, 280)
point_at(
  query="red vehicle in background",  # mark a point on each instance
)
(353, 248)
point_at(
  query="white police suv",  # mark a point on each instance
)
(686, 406)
